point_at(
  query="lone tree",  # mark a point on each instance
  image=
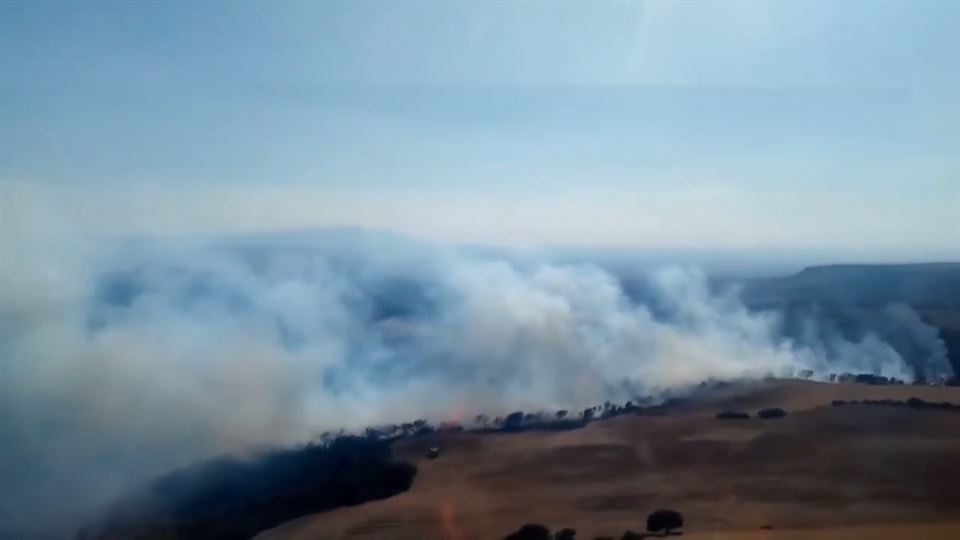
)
(530, 531)
(664, 520)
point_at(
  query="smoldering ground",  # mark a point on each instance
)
(123, 360)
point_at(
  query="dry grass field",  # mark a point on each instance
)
(862, 471)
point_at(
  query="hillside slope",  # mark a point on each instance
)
(854, 299)
(838, 470)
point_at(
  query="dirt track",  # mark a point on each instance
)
(821, 472)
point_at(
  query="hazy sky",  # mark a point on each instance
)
(788, 124)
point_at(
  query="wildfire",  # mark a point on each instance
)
(450, 529)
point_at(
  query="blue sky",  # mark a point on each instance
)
(688, 124)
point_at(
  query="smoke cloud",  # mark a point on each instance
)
(122, 360)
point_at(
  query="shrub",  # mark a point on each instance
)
(867, 378)
(630, 535)
(664, 520)
(917, 403)
(769, 414)
(565, 534)
(731, 415)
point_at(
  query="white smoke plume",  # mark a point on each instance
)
(120, 361)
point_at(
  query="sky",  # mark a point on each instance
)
(787, 125)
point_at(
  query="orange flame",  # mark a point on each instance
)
(450, 529)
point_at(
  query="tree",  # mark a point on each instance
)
(630, 535)
(421, 427)
(565, 534)
(530, 531)
(482, 419)
(561, 414)
(664, 520)
(231, 498)
(513, 421)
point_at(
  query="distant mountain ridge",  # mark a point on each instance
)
(920, 285)
(853, 298)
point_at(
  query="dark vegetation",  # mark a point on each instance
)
(864, 378)
(912, 403)
(229, 499)
(530, 531)
(663, 522)
(772, 413)
(880, 380)
(562, 419)
(731, 415)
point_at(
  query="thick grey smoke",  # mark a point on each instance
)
(122, 361)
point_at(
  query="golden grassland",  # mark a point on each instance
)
(862, 471)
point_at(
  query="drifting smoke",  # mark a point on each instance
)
(120, 363)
